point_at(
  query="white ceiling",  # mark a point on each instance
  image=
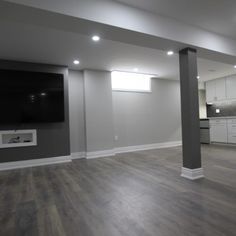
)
(217, 16)
(43, 45)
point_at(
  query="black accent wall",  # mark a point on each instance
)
(53, 138)
(227, 108)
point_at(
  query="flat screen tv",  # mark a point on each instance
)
(31, 97)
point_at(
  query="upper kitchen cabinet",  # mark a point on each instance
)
(216, 90)
(231, 87)
(210, 91)
(220, 89)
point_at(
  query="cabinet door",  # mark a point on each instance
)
(220, 89)
(231, 87)
(232, 138)
(231, 123)
(210, 91)
(218, 131)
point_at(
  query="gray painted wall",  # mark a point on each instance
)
(146, 118)
(53, 138)
(76, 105)
(96, 115)
(98, 110)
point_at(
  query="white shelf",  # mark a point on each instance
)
(18, 138)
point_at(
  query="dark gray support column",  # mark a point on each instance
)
(192, 168)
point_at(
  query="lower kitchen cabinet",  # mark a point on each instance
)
(231, 124)
(218, 131)
(232, 138)
(223, 130)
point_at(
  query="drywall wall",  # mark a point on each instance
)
(98, 111)
(96, 115)
(76, 108)
(134, 118)
(53, 138)
(202, 104)
(146, 118)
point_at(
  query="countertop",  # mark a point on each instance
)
(222, 117)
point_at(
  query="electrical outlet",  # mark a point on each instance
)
(217, 111)
(116, 137)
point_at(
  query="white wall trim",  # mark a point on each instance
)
(78, 155)
(148, 147)
(113, 152)
(88, 155)
(192, 174)
(34, 162)
(97, 154)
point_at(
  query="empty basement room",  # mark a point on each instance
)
(118, 118)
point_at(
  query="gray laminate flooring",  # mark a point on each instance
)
(132, 194)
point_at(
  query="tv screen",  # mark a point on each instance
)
(31, 97)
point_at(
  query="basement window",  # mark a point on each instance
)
(131, 82)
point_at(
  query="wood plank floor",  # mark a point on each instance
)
(133, 194)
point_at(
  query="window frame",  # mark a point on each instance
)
(133, 90)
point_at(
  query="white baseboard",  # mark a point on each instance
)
(97, 154)
(34, 162)
(148, 147)
(112, 152)
(78, 155)
(192, 174)
(88, 155)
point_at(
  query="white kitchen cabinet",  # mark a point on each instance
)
(231, 121)
(216, 90)
(210, 91)
(231, 87)
(218, 131)
(231, 125)
(223, 130)
(232, 138)
(220, 89)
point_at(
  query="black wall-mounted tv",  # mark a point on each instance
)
(31, 97)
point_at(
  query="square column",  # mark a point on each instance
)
(192, 166)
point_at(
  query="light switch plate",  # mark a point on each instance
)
(217, 111)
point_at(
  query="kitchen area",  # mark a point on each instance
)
(217, 101)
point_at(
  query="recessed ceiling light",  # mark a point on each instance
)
(76, 62)
(170, 53)
(135, 69)
(198, 77)
(235, 66)
(96, 38)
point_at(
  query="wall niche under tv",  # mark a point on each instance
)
(19, 138)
